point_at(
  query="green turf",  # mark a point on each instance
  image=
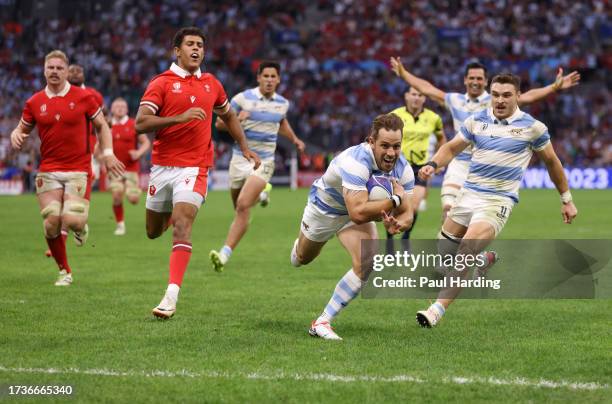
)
(241, 335)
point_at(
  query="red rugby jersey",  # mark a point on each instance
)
(124, 140)
(173, 92)
(62, 121)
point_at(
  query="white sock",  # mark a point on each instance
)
(346, 290)
(173, 291)
(226, 253)
(294, 259)
(438, 307)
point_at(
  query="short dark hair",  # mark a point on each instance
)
(386, 121)
(475, 65)
(269, 63)
(183, 32)
(508, 78)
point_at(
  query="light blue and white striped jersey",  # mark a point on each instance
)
(352, 169)
(461, 107)
(501, 151)
(261, 128)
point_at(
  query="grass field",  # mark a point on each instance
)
(240, 336)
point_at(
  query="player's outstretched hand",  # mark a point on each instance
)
(390, 222)
(426, 172)
(113, 165)
(17, 139)
(564, 82)
(568, 212)
(252, 156)
(190, 114)
(396, 66)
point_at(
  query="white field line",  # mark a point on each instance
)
(519, 381)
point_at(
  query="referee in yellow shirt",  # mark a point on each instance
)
(419, 124)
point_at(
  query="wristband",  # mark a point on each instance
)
(431, 163)
(566, 197)
(108, 152)
(396, 199)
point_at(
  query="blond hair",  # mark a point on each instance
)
(56, 54)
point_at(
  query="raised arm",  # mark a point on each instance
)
(360, 209)
(557, 176)
(561, 83)
(420, 84)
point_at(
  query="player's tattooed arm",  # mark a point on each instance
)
(360, 209)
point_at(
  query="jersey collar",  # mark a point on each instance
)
(368, 147)
(62, 93)
(182, 73)
(518, 114)
(478, 99)
(121, 121)
(260, 96)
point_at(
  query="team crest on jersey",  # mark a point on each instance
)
(176, 87)
(152, 190)
(207, 88)
(71, 105)
(43, 108)
(516, 132)
(192, 98)
(57, 117)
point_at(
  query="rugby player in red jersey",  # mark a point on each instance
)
(178, 106)
(62, 113)
(129, 147)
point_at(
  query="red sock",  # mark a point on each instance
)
(118, 209)
(57, 246)
(179, 259)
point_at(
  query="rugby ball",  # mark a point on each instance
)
(379, 187)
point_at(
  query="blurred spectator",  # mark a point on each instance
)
(334, 56)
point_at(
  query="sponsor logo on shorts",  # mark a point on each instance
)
(39, 182)
(152, 190)
(306, 226)
(187, 180)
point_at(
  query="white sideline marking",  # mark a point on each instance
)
(519, 381)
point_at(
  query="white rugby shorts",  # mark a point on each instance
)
(240, 169)
(471, 207)
(169, 185)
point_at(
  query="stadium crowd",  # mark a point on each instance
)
(334, 56)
